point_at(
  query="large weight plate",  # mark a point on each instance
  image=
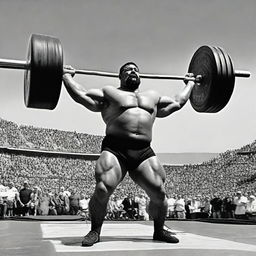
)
(220, 87)
(228, 89)
(42, 81)
(205, 62)
(215, 90)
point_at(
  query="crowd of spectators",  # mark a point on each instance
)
(34, 201)
(29, 137)
(220, 177)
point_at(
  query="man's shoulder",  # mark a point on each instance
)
(151, 93)
(28, 190)
(3, 188)
(109, 88)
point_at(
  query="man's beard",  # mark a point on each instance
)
(133, 82)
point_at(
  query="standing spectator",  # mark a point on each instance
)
(180, 207)
(187, 208)
(11, 193)
(57, 203)
(3, 201)
(17, 205)
(63, 203)
(52, 205)
(216, 204)
(120, 207)
(228, 207)
(74, 199)
(116, 211)
(195, 208)
(171, 204)
(84, 206)
(240, 201)
(251, 207)
(25, 199)
(206, 208)
(35, 196)
(110, 208)
(44, 203)
(66, 192)
(142, 206)
(129, 206)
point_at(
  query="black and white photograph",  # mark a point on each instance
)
(127, 127)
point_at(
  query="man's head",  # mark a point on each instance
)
(239, 193)
(251, 197)
(25, 184)
(129, 76)
(10, 184)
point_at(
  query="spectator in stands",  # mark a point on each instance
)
(180, 207)
(74, 199)
(110, 209)
(206, 208)
(84, 206)
(251, 208)
(44, 203)
(216, 204)
(3, 201)
(195, 208)
(171, 205)
(129, 206)
(65, 192)
(25, 199)
(240, 201)
(35, 198)
(11, 194)
(142, 202)
(116, 209)
(52, 204)
(120, 206)
(57, 202)
(228, 207)
(187, 208)
(63, 203)
(3, 208)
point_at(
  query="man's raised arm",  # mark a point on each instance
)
(168, 105)
(93, 99)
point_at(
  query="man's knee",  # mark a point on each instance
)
(158, 195)
(103, 191)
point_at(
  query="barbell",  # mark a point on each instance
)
(212, 67)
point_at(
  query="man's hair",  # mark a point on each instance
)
(126, 64)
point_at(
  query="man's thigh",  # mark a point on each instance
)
(150, 175)
(109, 170)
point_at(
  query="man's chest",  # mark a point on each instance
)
(136, 100)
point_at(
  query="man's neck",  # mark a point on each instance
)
(128, 90)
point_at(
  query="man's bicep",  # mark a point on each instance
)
(92, 99)
(95, 94)
(166, 106)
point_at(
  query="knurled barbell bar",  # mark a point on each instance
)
(212, 67)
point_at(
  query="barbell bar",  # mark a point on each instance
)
(212, 67)
(21, 64)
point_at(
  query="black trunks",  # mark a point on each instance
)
(130, 152)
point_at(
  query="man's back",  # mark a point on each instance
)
(25, 195)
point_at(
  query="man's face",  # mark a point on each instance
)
(130, 78)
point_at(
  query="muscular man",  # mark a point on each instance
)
(129, 115)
